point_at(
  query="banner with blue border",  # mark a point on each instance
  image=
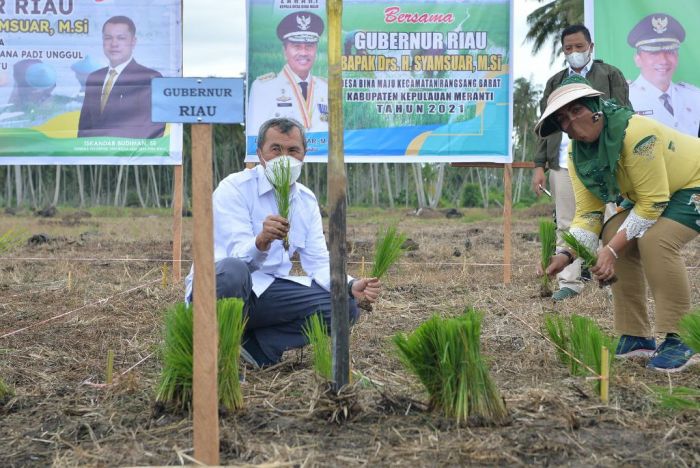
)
(75, 81)
(426, 81)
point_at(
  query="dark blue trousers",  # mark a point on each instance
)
(276, 318)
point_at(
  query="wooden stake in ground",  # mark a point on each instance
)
(177, 223)
(507, 214)
(604, 374)
(340, 326)
(507, 206)
(206, 333)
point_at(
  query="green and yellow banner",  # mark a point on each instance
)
(423, 81)
(75, 81)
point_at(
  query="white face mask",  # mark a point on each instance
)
(578, 59)
(294, 164)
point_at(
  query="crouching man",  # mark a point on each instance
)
(252, 262)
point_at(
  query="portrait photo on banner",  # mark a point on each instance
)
(287, 66)
(655, 44)
(75, 85)
(421, 81)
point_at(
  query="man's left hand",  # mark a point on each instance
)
(366, 288)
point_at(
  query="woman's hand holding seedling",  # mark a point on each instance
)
(274, 228)
(366, 289)
(604, 269)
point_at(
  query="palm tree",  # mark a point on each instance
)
(547, 22)
(525, 104)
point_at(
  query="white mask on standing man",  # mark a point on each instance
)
(579, 59)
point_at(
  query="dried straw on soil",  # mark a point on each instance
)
(62, 415)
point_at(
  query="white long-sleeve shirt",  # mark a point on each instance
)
(241, 203)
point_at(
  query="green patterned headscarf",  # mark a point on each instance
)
(596, 162)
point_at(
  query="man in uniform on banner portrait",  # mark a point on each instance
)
(657, 38)
(294, 92)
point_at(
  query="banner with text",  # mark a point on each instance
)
(425, 81)
(75, 81)
(657, 47)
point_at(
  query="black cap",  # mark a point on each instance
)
(302, 26)
(656, 32)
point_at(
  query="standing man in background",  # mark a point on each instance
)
(118, 97)
(657, 38)
(552, 151)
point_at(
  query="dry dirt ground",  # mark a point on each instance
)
(62, 415)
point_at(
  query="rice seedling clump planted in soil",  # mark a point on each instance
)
(175, 386)
(578, 343)
(548, 244)
(317, 334)
(5, 390)
(690, 330)
(446, 357)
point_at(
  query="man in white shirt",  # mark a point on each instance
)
(252, 262)
(657, 38)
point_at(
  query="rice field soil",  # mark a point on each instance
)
(93, 284)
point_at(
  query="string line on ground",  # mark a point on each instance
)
(64, 314)
(367, 262)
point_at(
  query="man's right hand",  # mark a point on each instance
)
(274, 228)
(538, 179)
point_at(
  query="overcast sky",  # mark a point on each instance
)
(215, 41)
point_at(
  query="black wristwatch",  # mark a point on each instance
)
(567, 254)
(350, 283)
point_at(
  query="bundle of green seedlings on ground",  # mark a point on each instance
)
(5, 390)
(548, 244)
(9, 240)
(175, 385)
(280, 177)
(690, 330)
(317, 334)
(579, 342)
(677, 398)
(387, 250)
(588, 257)
(446, 357)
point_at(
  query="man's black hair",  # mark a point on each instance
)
(576, 28)
(121, 20)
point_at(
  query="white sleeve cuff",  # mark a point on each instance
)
(254, 257)
(635, 225)
(586, 237)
